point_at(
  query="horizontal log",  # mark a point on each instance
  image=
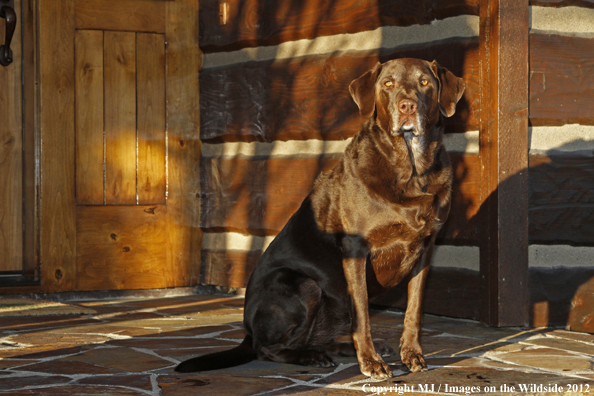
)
(230, 268)
(563, 3)
(257, 196)
(561, 200)
(308, 98)
(561, 79)
(121, 15)
(253, 23)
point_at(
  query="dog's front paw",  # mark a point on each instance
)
(412, 357)
(375, 367)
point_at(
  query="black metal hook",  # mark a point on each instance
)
(7, 12)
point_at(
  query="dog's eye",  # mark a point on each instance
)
(388, 83)
(424, 82)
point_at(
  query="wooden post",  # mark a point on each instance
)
(57, 218)
(504, 161)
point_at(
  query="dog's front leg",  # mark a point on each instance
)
(370, 362)
(411, 352)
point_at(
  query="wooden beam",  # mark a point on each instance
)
(504, 161)
(258, 196)
(560, 87)
(309, 98)
(253, 23)
(183, 60)
(57, 185)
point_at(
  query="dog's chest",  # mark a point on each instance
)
(397, 242)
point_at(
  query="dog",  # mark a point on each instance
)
(367, 225)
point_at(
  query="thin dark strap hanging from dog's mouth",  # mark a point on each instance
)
(407, 138)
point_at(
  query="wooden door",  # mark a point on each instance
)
(118, 108)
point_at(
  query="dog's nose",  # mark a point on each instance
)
(407, 106)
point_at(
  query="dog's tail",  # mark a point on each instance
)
(241, 354)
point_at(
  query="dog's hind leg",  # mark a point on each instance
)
(286, 322)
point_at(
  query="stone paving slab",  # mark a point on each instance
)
(178, 385)
(140, 381)
(130, 347)
(78, 390)
(120, 358)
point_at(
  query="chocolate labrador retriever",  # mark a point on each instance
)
(367, 224)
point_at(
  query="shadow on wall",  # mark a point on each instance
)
(561, 218)
(561, 212)
(307, 98)
(303, 98)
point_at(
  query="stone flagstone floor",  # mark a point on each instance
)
(130, 347)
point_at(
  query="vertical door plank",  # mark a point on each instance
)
(184, 59)
(120, 117)
(57, 162)
(504, 162)
(151, 118)
(11, 151)
(88, 48)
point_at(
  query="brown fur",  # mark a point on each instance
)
(368, 223)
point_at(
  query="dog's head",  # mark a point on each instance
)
(407, 95)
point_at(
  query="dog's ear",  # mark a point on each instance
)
(451, 89)
(363, 91)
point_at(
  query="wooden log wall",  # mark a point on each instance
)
(272, 123)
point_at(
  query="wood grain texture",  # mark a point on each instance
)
(31, 139)
(308, 98)
(184, 59)
(463, 225)
(120, 117)
(120, 247)
(11, 160)
(562, 200)
(121, 15)
(88, 48)
(561, 79)
(57, 186)
(151, 118)
(230, 268)
(255, 23)
(257, 196)
(503, 150)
